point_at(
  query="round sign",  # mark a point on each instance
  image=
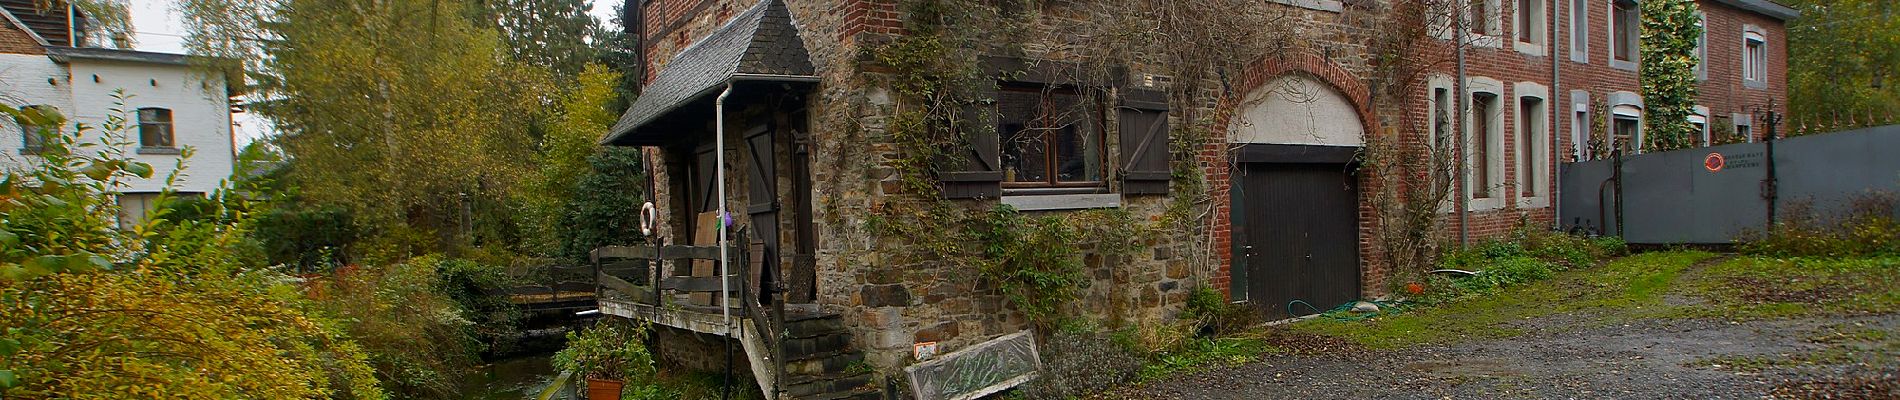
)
(1714, 162)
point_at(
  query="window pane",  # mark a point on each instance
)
(1048, 136)
(1481, 106)
(1626, 134)
(1526, 32)
(1529, 109)
(1477, 17)
(155, 127)
(1579, 23)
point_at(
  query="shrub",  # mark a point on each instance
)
(1214, 316)
(611, 349)
(1526, 255)
(417, 337)
(1082, 360)
(1867, 229)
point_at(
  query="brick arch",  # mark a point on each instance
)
(1217, 162)
(1310, 65)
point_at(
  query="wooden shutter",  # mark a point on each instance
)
(975, 171)
(1143, 117)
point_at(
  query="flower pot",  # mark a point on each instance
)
(603, 389)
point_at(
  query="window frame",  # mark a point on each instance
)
(1439, 110)
(1492, 161)
(1754, 63)
(31, 141)
(1490, 31)
(1053, 184)
(168, 123)
(1700, 118)
(1633, 40)
(1536, 24)
(1702, 46)
(1533, 123)
(1580, 31)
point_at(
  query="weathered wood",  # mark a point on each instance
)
(635, 292)
(700, 283)
(672, 252)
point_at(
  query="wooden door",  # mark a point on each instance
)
(1301, 246)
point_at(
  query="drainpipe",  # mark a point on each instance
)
(1556, 141)
(1464, 229)
(719, 173)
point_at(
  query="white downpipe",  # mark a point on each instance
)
(719, 173)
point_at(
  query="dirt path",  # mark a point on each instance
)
(1584, 355)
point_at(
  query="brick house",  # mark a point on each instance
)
(50, 59)
(806, 115)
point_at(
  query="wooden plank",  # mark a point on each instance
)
(705, 233)
(673, 252)
(699, 285)
(635, 292)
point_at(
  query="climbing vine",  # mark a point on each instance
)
(1670, 32)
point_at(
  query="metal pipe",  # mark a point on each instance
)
(725, 264)
(1464, 192)
(1556, 141)
(719, 174)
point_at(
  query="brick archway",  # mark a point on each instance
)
(1309, 64)
(1218, 163)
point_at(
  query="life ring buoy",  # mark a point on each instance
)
(649, 218)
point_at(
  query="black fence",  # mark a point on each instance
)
(1711, 195)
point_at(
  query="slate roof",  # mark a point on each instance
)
(759, 41)
(67, 54)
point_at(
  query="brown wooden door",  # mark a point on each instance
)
(1300, 223)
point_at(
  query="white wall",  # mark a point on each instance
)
(1295, 109)
(201, 116)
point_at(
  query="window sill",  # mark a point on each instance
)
(159, 150)
(1048, 202)
(1754, 84)
(1623, 65)
(1533, 49)
(1484, 204)
(1320, 5)
(1533, 202)
(1485, 41)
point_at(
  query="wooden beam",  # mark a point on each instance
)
(670, 252)
(700, 283)
(636, 292)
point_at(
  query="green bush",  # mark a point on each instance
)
(1526, 255)
(1868, 229)
(1215, 316)
(611, 349)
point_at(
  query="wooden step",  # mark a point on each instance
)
(813, 325)
(830, 364)
(808, 385)
(806, 348)
(866, 393)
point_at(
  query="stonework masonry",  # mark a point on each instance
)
(890, 303)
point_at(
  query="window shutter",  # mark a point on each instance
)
(1143, 116)
(976, 170)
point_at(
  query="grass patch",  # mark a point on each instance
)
(1842, 344)
(1768, 287)
(1629, 283)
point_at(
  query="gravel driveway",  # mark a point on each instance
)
(1558, 359)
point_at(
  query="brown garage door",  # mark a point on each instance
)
(1299, 224)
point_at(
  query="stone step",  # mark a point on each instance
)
(804, 348)
(833, 383)
(865, 393)
(811, 326)
(829, 364)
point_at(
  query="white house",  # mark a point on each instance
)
(48, 59)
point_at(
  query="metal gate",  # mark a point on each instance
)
(1712, 195)
(1296, 235)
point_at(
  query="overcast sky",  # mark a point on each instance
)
(158, 29)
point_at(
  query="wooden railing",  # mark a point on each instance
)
(641, 274)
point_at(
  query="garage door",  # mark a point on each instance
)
(1298, 244)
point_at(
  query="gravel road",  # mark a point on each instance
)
(1566, 357)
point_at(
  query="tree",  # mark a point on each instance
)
(558, 34)
(404, 111)
(1843, 60)
(173, 307)
(1670, 32)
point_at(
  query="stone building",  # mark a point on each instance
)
(1236, 160)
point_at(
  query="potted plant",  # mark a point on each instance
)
(608, 355)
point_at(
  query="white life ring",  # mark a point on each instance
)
(649, 217)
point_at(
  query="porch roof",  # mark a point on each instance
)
(761, 43)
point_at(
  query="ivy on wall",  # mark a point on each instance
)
(1670, 32)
